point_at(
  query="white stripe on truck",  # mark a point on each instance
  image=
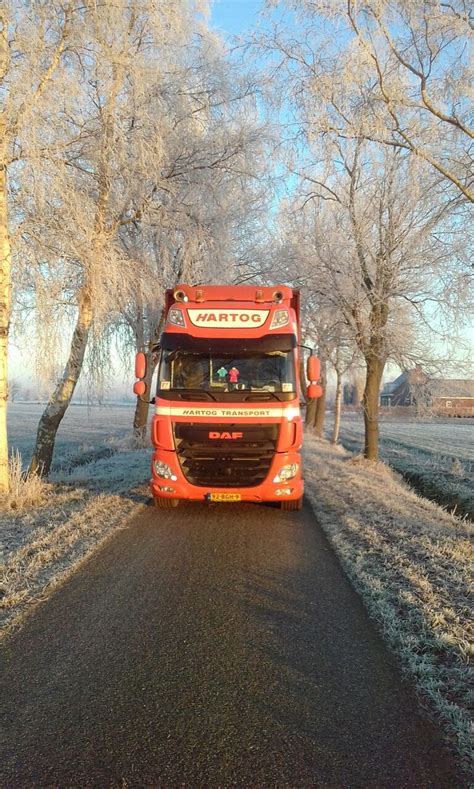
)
(288, 412)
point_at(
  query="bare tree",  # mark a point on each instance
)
(14, 389)
(342, 357)
(32, 50)
(192, 239)
(318, 329)
(369, 240)
(133, 143)
(91, 201)
(397, 73)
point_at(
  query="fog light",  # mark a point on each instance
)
(163, 470)
(287, 472)
(165, 489)
(283, 491)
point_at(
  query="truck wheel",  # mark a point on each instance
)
(296, 504)
(165, 504)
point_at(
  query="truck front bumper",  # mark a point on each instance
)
(180, 488)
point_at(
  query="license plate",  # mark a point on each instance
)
(225, 497)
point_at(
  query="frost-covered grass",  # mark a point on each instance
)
(42, 546)
(435, 455)
(411, 561)
(98, 483)
(25, 491)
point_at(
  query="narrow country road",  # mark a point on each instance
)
(211, 647)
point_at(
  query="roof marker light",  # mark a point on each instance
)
(176, 317)
(280, 318)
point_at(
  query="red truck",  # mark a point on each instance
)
(227, 423)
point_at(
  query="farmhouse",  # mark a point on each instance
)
(452, 397)
(405, 390)
(439, 396)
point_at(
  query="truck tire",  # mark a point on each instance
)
(165, 504)
(296, 504)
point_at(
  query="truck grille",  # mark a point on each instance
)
(225, 463)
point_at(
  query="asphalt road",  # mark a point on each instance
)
(211, 647)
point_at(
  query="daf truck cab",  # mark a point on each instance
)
(227, 424)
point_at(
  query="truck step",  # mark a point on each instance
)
(165, 504)
(296, 504)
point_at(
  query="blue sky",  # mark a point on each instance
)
(235, 16)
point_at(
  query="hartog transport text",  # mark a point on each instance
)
(289, 412)
(214, 412)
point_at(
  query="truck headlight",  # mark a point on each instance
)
(287, 472)
(163, 470)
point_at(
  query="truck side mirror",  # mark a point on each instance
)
(140, 365)
(139, 388)
(313, 391)
(313, 369)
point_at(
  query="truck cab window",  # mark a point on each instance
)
(273, 371)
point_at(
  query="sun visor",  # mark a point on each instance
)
(216, 345)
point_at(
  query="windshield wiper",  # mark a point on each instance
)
(195, 394)
(261, 396)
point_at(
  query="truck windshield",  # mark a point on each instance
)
(265, 372)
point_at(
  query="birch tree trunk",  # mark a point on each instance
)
(370, 401)
(87, 297)
(320, 415)
(321, 405)
(59, 402)
(5, 305)
(337, 408)
(311, 406)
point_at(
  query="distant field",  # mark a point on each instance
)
(452, 438)
(436, 455)
(82, 430)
